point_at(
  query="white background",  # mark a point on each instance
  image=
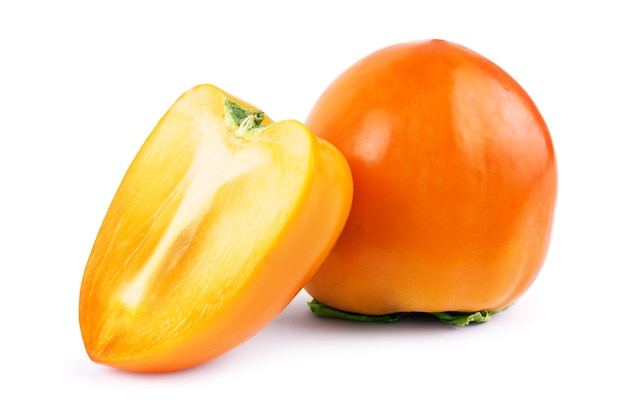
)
(82, 84)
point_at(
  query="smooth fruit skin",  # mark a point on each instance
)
(455, 183)
(209, 237)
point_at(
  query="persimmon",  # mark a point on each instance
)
(455, 184)
(219, 221)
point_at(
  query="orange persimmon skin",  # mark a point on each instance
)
(455, 183)
(209, 237)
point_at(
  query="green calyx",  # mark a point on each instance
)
(325, 311)
(462, 318)
(455, 318)
(245, 122)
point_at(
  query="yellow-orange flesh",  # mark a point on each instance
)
(209, 236)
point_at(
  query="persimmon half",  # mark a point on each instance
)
(219, 221)
(455, 184)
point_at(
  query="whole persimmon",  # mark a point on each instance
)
(455, 184)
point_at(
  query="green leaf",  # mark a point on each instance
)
(463, 319)
(447, 317)
(325, 311)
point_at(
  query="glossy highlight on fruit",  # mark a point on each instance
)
(218, 223)
(455, 184)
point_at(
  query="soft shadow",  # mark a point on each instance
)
(99, 373)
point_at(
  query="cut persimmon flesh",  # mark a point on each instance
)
(221, 219)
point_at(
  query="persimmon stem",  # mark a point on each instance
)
(245, 122)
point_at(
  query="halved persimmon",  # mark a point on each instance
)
(220, 220)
